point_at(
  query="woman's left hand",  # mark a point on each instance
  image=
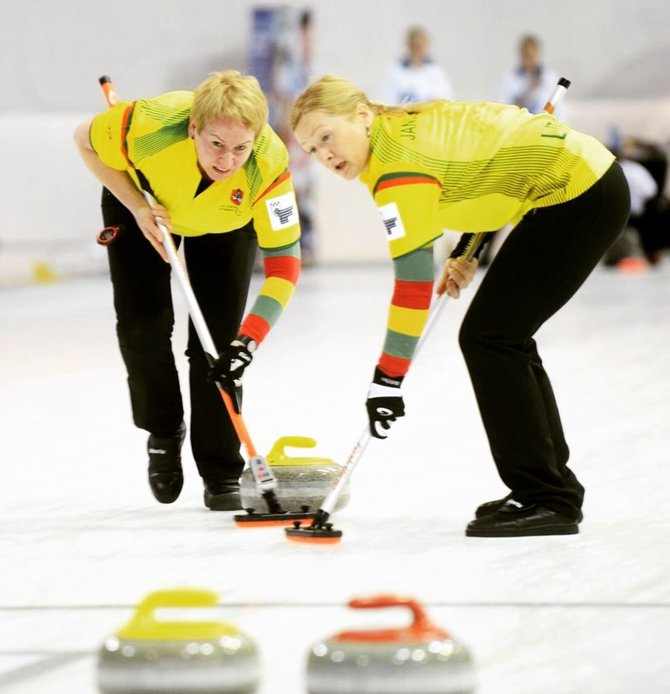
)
(457, 275)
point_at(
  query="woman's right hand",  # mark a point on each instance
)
(147, 219)
(456, 275)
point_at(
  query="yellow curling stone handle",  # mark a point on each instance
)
(144, 625)
(278, 457)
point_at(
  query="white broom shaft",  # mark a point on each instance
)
(357, 453)
(556, 96)
(202, 331)
(193, 307)
(554, 99)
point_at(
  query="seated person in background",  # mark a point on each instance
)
(529, 85)
(416, 77)
(531, 82)
(645, 167)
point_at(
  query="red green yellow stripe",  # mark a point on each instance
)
(394, 366)
(125, 127)
(407, 321)
(408, 312)
(255, 327)
(286, 267)
(404, 178)
(277, 182)
(282, 270)
(412, 294)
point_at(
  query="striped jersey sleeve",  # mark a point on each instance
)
(408, 204)
(282, 269)
(274, 208)
(408, 313)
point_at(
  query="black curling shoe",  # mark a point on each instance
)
(223, 495)
(514, 519)
(489, 507)
(165, 474)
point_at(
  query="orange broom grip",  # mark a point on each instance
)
(109, 91)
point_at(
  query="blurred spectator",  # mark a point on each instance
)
(642, 186)
(531, 82)
(645, 166)
(416, 77)
(529, 85)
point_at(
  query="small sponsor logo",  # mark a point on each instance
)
(392, 221)
(236, 196)
(390, 224)
(283, 211)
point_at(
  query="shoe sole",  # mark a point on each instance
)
(524, 532)
(166, 499)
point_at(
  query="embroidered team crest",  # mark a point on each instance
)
(392, 221)
(283, 211)
(236, 196)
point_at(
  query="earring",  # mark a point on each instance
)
(367, 130)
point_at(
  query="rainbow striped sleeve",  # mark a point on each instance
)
(282, 269)
(408, 313)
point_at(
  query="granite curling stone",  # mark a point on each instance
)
(418, 659)
(301, 481)
(148, 655)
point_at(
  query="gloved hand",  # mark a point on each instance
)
(229, 366)
(384, 403)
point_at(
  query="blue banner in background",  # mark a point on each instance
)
(281, 57)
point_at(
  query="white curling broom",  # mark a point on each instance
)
(321, 531)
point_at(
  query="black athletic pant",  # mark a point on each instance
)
(220, 267)
(543, 262)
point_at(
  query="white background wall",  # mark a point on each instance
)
(53, 53)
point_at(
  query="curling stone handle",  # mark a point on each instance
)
(144, 624)
(420, 620)
(181, 597)
(278, 451)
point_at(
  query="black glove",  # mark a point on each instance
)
(229, 366)
(384, 403)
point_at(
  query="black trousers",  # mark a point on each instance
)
(545, 259)
(219, 267)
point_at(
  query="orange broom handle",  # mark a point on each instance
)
(109, 91)
(238, 423)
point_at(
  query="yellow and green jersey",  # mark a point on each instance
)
(473, 167)
(151, 135)
(470, 167)
(149, 139)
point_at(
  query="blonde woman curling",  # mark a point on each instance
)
(221, 180)
(474, 167)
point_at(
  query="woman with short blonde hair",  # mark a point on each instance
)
(220, 177)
